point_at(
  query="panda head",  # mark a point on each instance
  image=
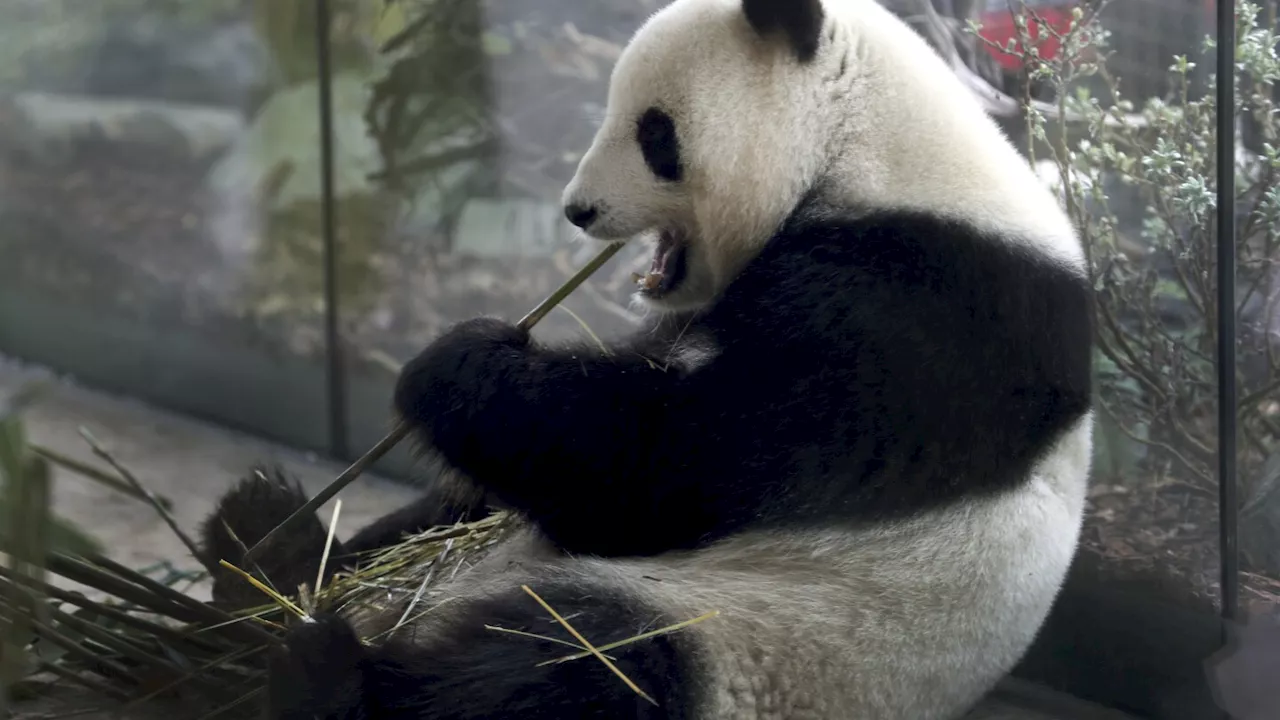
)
(724, 116)
(710, 138)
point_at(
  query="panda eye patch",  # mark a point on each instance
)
(656, 133)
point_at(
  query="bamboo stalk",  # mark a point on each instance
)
(401, 429)
(90, 683)
(101, 665)
(160, 631)
(204, 611)
(26, 486)
(81, 572)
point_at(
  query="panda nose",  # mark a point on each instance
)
(580, 215)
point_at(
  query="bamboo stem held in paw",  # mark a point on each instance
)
(401, 429)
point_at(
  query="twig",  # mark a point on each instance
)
(281, 600)
(100, 664)
(422, 589)
(587, 644)
(93, 684)
(544, 638)
(637, 638)
(401, 429)
(94, 474)
(231, 533)
(162, 632)
(137, 485)
(109, 576)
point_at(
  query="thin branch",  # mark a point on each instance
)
(137, 485)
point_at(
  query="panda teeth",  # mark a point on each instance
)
(653, 279)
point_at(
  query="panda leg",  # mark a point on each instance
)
(460, 670)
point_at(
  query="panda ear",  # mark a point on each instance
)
(801, 20)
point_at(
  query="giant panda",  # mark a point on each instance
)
(856, 423)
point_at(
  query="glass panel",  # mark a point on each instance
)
(474, 121)
(455, 161)
(1137, 618)
(1147, 194)
(1258, 313)
(158, 199)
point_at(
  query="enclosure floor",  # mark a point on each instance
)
(192, 463)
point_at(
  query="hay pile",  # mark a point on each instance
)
(132, 637)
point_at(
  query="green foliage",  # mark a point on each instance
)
(29, 532)
(20, 469)
(1154, 270)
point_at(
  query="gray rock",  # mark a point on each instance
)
(40, 126)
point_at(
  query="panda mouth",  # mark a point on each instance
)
(667, 268)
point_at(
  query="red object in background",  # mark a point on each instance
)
(997, 27)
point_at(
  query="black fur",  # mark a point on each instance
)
(243, 516)
(440, 504)
(467, 672)
(656, 135)
(864, 369)
(801, 20)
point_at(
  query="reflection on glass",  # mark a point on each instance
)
(1258, 312)
(475, 118)
(1134, 163)
(158, 198)
(1140, 186)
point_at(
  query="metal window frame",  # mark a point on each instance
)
(1228, 505)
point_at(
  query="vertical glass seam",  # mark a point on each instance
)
(1228, 507)
(334, 370)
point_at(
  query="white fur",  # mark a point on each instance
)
(758, 129)
(907, 621)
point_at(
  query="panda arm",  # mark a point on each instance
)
(558, 433)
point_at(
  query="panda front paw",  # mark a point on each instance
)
(439, 390)
(318, 674)
(244, 515)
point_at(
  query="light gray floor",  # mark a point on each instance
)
(193, 463)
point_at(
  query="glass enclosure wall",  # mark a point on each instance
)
(159, 204)
(475, 117)
(168, 230)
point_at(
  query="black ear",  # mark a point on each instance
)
(801, 20)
